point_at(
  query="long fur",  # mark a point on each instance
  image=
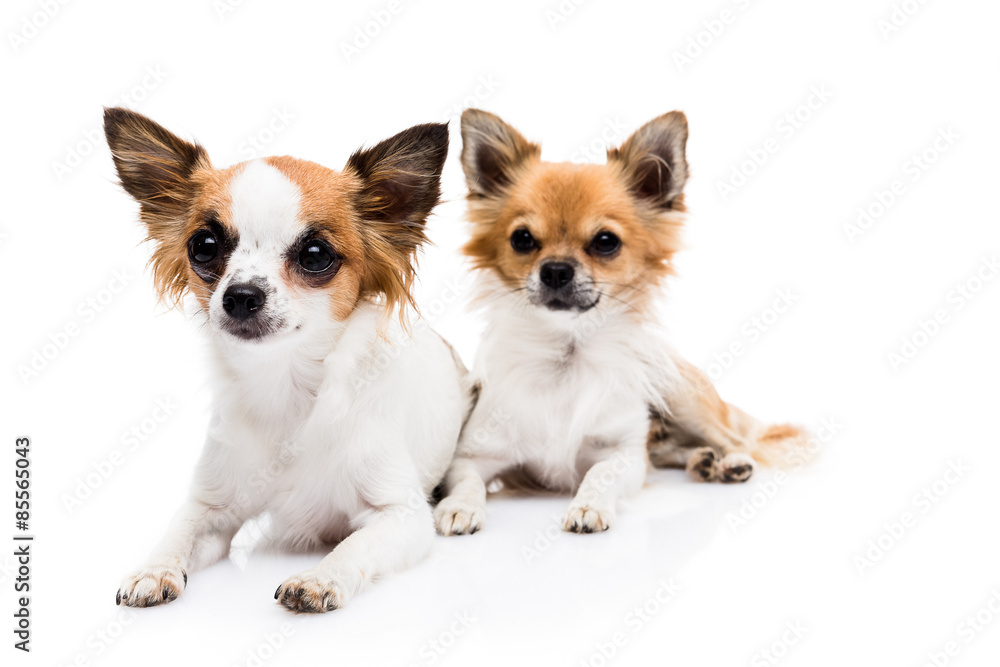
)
(156, 168)
(401, 185)
(327, 420)
(578, 387)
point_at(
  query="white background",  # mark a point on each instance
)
(590, 77)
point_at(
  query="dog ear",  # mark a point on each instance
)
(155, 168)
(654, 162)
(401, 176)
(492, 152)
(400, 183)
(154, 165)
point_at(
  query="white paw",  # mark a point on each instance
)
(736, 467)
(153, 585)
(454, 516)
(588, 519)
(312, 592)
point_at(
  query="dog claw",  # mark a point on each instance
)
(310, 594)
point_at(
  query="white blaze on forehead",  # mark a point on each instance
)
(265, 209)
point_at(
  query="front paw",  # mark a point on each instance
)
(588, 519)
(311, 592)
(157, 584)
(453, 516)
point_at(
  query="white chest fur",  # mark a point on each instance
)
(558, 390)
(316, 434)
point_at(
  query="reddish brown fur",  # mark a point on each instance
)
(326, 197)
(638, 196)
(372, 213)
(564, 205)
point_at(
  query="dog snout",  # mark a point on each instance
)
(243, 301)
(556, 275)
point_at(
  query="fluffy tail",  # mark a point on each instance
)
(772, 445)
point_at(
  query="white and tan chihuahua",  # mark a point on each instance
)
(577, 388)
(298, 271)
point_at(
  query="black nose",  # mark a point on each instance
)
(242, 301)
(556, 274)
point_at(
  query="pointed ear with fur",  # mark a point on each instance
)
(654, 162)
(154, 165)
(400, 183)
(492, 153)
(155, 168)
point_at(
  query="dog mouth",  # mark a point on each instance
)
(256, 329)
(567, 303)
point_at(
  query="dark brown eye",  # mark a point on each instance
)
(605, 243)
(203, 247)
(316, 256)
(522, 240)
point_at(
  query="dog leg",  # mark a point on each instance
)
(710, 438)
(391, 538)
(198, 535)
(463, 509)
(619, 474)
